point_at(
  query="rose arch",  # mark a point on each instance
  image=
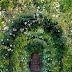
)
(34, 32)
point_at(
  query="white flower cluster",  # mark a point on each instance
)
(7, 39)
(25, 23)
(40, 12)
(10, 45)
(21, 29)
(1, 66)
(25, 33)
(58, 30)
(43, 8)
(12, 22)
(1, 39)
(42, 0)
(6, 69)
(56, 6)
(6, 28)
(10, 49)
(3, 43)
(35, 15)
(12, 34)
(29, 25)
(14, 29)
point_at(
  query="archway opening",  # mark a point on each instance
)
(35, 65)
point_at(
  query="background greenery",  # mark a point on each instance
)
(11, 13)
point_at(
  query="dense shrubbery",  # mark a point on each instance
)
(29, 22)
(35, 29)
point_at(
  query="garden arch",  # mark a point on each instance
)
(35, 49)
(28, 22)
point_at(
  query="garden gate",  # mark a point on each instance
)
(35, 65)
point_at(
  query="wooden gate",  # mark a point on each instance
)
(35, 65)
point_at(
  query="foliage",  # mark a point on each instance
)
(26, 24)
(65, 5)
